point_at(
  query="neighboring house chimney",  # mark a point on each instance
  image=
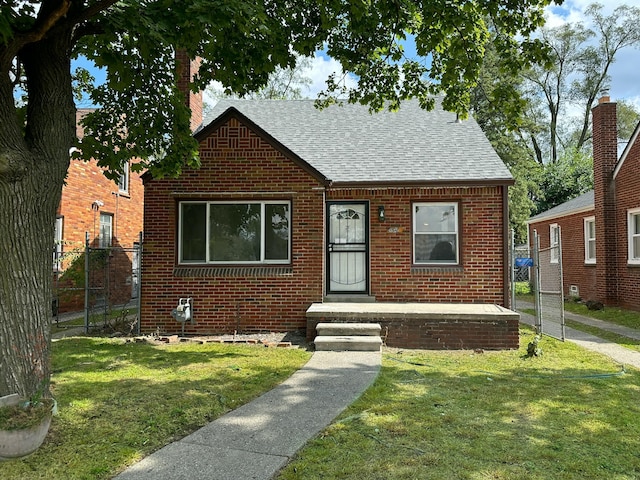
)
(605, 156)
(187, 70)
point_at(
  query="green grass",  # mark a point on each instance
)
(569, 414)
(114, 317)
(627, 318)
(121, 401)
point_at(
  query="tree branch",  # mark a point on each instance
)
(43, 25)
(91, 11)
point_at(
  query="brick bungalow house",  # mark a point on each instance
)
(110, 212)
(601, 228)
(293, 205)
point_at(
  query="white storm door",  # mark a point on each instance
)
(347, 247)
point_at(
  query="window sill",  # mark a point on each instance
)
(233, 271)
(633, 263)
(420, 269)
(590, 263)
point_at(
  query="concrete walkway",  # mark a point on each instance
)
(618, 353)
(256, 440)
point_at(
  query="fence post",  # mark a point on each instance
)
(86, 282)
(537, 281)
(512, 269)
(562, 329)
(140, 250)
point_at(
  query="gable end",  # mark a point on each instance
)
(232, 112)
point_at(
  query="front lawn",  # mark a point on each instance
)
(570, 414)
(121, 401)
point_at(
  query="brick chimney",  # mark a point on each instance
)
(187, 69)
(605, 156)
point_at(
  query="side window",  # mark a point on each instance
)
(590, 240)
(123, 181)
(634, 236)
(57, 245)
(106, 230)
(554, 242)
(436, 233)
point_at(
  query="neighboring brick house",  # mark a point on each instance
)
(293, 205)
(600, 230)
(110, 212)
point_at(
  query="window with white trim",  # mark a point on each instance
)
(235, 232)
(436, 233)
(590, 240)
(57, 244)
(554, 242)
(123, 181)
(106, 230)
(634, 236)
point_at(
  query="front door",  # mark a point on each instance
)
(347, 247)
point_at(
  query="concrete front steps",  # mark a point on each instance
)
(360, 337)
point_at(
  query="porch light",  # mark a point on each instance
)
(381, 216)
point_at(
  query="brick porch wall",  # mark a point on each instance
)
(439, 334)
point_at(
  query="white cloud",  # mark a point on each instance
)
(321, 68)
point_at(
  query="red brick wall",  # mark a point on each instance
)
(627, 189)
(237, 164)
(440, 333)
(575, 270)
(393, 278)
(611, 281)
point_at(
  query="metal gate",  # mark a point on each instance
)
(112, 288)
(548, 285)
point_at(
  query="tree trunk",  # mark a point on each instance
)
(27, 211)
(31, 183)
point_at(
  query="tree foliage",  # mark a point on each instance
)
(577, 75)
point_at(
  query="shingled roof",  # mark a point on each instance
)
(347, 144)
(576, 205)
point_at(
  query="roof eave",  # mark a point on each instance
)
(423, 183)
(566, 213)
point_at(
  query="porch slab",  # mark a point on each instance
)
(427, 325)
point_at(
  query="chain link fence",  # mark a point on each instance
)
(537, 284)
(548, 290)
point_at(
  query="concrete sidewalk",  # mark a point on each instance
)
(256, 440)
(618, 353)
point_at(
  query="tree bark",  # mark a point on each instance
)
(35, 159)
